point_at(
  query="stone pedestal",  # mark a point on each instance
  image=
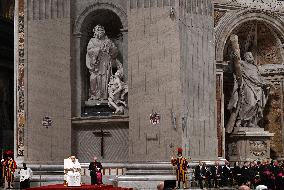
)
(97, 110)
(249, 144)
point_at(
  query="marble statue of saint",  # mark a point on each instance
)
(100, 58)
(250, 92)
(117, 90)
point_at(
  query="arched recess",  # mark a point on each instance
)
(237, 22)
(232, 20)
(114, 19)
(96, 6)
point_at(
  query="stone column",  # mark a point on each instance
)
(78, 76)
(220, 111)
(282, 114)
(124, 32)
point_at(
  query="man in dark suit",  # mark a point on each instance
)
(245, 173)
(216, 174)
(95, 168)
(198, 176)
(205, 170)
(227, 174)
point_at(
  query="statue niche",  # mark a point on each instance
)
(250, 91)
(105, 88)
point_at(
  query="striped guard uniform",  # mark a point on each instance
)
(181, 164)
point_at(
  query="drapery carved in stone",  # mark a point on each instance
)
(250, 91)
(101, 57)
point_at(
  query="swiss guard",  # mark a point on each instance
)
(10, 167)
(181, 166)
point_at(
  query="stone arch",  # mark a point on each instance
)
(232, 20)
(97, 6)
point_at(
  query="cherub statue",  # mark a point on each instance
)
(117, 91)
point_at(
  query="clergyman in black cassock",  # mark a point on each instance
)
(95, 167)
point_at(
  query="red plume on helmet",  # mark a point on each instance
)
(179, 150)
(8, 153)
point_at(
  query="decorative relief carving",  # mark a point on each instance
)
(273, 5)
(233, 149)
(20, 82)
(272, 69)
(258, 148)
(217, 16)
(174, 120)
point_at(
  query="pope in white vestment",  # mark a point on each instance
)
(72, 170)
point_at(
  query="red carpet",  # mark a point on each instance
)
(83, 187)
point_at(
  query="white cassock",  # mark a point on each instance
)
(73, 176)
